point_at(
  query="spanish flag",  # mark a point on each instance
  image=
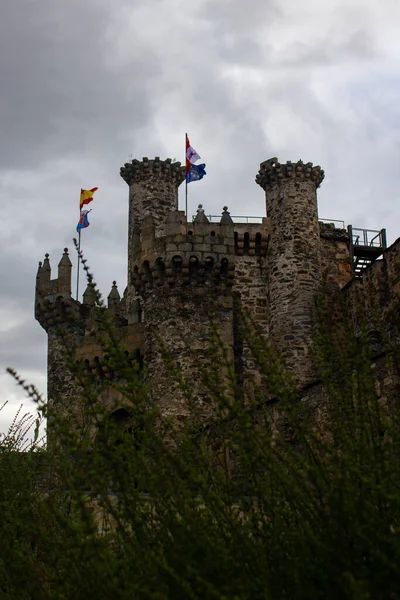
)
(86, 196)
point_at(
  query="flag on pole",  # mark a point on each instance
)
(83, 221)
(191, 154)
(193, 172)
(196, 172)
(86, 196)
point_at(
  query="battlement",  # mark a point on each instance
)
(52, 288)
(203, 255)
(330, 231)
(139, 170)
(179, 271)
(54, 304)
(272, 171)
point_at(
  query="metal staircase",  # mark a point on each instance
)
(366, 245)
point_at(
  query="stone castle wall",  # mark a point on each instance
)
(335, 256)
(184, 279)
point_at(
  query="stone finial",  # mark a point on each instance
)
(65, 260)
(46, 264)
(272, 170)
(89, 296)
(226, 218)
(113, 297)
(43, 276)
(139, 170)
(200, 217)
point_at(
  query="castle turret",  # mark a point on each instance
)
(153, 192)
(294, 259)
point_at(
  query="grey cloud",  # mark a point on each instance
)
(24, 347)
(61, 95)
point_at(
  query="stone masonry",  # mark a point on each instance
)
(184, 278)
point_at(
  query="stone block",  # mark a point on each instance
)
(220, 249)
(205, 248)
(185, 247)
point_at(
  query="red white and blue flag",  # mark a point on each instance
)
(193, 172)
(83, 220)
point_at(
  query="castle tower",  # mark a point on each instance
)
(54, 308)
(153, 192)
(294, 259)
(176, 283)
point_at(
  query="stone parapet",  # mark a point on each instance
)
(61, 311)
(271, 170)
(184, 271)
(140, 170)
(203, 256)
(330, 232)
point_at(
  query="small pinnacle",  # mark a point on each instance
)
(46, 263)
(65, 260)
(40, 263)
(47, 255)
(89, 296)
(226, 218)
(113, 296)
(200, 217)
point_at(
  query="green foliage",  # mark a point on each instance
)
(278, 497)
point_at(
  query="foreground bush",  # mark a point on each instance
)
(266, 502)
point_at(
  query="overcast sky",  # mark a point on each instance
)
(87, 83)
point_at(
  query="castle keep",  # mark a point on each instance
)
(179, 272)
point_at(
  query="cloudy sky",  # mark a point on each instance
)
(85, 84)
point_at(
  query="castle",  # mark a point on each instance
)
(179, 271)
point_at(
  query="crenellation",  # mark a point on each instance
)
(271, 171)
(46, 287)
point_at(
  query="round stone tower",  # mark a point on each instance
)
(153, 192)
(294, 259)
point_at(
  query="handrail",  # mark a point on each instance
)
(233, 217)
(362, 237)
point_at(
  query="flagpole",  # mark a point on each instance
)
(77, 274)
(186, 199)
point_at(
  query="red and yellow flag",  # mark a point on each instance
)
(86, 196)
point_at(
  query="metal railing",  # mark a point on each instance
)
(368, 237)
(235, 218)
(252, 219)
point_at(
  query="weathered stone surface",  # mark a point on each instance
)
(294, 259)
(179, 273)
